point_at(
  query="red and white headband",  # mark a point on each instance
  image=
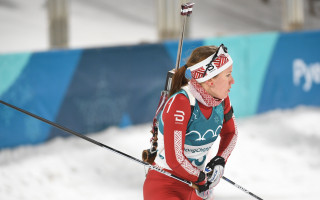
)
(211, 66)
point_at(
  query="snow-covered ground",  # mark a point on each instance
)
(277, 157)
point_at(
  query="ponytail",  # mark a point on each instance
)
(178, 80)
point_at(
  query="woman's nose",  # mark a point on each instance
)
(232, 80)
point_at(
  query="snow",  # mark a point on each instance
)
(276, 157)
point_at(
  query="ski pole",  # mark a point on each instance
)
(119, 152)
(209, 171)
(100, 144)
(241, 188)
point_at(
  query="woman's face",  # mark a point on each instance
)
(219, 86)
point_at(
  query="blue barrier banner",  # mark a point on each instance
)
(89, 90)
(293, 76)
(115, 86)
(39, 88)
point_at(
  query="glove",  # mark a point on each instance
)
(216, 165)
(204, 191)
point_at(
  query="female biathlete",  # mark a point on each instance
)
(197, 112)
